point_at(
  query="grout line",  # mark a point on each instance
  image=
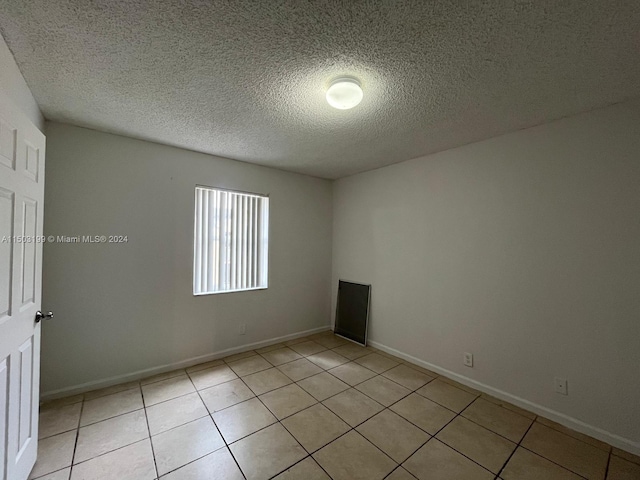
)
(514, 450)
(400, 467)
(606, 471)
(146, 417)
(571, 436)
(75, 446)
(278, 421)
(110, 418)
(111, 451)
(433, 437)
(519, 445)
(58, 433)
(551, 461)
(224, 440)
(46, 475)
(111, 393)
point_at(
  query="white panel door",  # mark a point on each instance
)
(22, 148)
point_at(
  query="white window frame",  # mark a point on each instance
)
(234, 258)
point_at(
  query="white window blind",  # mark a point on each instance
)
(231, 241)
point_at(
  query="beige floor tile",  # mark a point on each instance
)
(110, 406)
(218, 465)
(621, 469)
(447, 395)
(498, 419)
(63, 474)
(239, 356)
(327, 359)
(461, 386)
(389, 355)
(323, 386)
(436, 461)
(525, 465)
(58, 419)
(352, 373)
(315, 427)
(393, 435)
(267, 452)
(296, 341)
(266, 380)
(112, 434)
(479, 444)
(247, 366)
(308, 348)
(205, 365)
(352, 351)
(376, 362)
(307, 469)
(330, 341)
(424, 413)
(352, 457)
(325, 333)
(407, 377)
(572, 433)
(270, 348)
(225, 395)
(566, 451)
(186, 443)
(54, 453)
(133, 462)
(626, 455)
(162, 376)
(111, 389)
(400, 474)
(243, 419)
(166, 390)
(299, 369)
(212, 376)
(420, 369)
(173, 413)
(286, 401)
(383, 390)
(353, 406)
(509, 406)
(62, 402)
(280, 356)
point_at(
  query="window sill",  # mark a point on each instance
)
(230, 291)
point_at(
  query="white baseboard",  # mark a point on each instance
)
(569, 422)
(189, 362)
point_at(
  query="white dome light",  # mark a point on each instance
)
(344, 93)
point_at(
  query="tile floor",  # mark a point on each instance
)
(312, 408)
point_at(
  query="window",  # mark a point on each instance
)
(231, 241)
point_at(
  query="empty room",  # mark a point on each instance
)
(319, 239)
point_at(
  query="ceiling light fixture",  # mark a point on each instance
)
(344, 93)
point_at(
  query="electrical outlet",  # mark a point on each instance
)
(243, 329)
(468, 359)
(561, 385)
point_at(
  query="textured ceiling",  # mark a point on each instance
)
(246, 79)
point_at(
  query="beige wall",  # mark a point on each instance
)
(121, 308)
(13, 86)
(523, 250)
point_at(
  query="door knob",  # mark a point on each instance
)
(43, 316)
